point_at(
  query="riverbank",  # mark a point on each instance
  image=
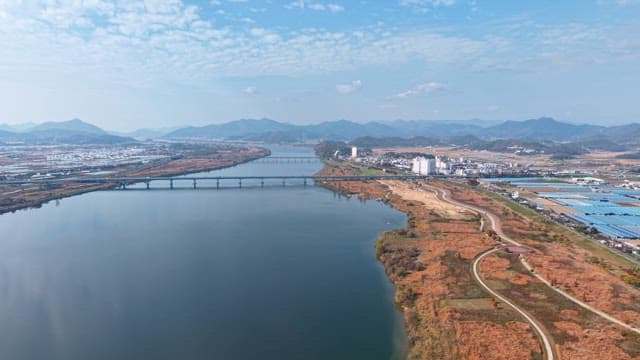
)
(449, 316)
(446, 314)
(188, 272)
(34, 196)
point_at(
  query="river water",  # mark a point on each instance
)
(272, 273)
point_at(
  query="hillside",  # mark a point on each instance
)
(271, 130)
(234, 129)
(542, 129)
(543, 134)
(538, 129)
(66, 132)
(74, 125)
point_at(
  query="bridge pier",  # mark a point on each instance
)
(123, 182)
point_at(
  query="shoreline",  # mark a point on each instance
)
(447, 315)
(428, 330)
(79, 189)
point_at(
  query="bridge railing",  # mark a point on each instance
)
(193, 180)
(287, 159)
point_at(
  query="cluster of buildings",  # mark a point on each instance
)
(48, 161)
(442, 165)
(575, 197)
(437, 165)
(434, 166)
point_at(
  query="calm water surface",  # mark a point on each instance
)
(273, 273)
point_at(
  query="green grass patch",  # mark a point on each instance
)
(471, 304)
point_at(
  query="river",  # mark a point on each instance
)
(273, 273)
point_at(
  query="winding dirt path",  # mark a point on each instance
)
(495, 225)
(546, 342)
(549, 351)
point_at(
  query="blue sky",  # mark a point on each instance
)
(159, 63)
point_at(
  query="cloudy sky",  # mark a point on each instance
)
(155, 63)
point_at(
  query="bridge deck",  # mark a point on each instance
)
(132, 180)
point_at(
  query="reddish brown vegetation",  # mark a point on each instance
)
(568, 262)
(501, 342)
(447, 315)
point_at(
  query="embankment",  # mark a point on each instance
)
(446, 314)
(34, 196)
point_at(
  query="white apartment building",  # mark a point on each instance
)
(423, 166)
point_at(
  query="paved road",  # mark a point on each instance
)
(498, 229)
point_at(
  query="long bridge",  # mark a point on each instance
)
(287, 159)
(123, 182)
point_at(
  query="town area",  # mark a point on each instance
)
(597, 196)
(142, 159)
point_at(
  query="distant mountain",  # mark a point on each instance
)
(345, 130)
(623, 134)
(418, 141)
(146, 134)
(543, 133)
(543, 129)
(271, 130)
(66, 132)
(538, 129)
(234, 129)
(7, 135)
(71, 137)
(436, 128)
(17, 127)
(74, 125)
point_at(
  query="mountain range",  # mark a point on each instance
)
(544, 130)
(343, 130)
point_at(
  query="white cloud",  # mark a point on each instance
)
(433, 3)
(303, 4)
(349, 87)
(265, 35)
(250, 90)
(136, 44)
(426, 88)
(139, 44)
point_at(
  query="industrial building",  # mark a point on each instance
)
(612, 211)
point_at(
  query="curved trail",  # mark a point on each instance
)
(548, 349)
(546, 342)
(498, 229)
